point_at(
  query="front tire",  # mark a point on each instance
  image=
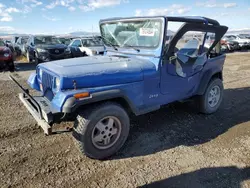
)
(101, 131)
(211, 100)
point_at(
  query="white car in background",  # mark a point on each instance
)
(86, 46)
(243, 42)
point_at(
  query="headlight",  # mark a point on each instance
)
(57, 84)
(68, 50)
(41, 50)
(6, 55)
(40, 73)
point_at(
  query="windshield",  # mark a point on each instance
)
(91, 42)
(2, 43)
(66, 41)
(46, 40)
(142, 33)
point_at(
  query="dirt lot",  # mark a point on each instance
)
(173, 147)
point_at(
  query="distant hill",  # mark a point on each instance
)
(240, 31)
(83, 33)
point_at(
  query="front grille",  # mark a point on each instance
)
(47, 81)
(56, 51)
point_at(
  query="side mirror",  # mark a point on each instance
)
(31, 44)
(6, 45)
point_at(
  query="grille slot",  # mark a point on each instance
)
(56, 51)
(47, 81)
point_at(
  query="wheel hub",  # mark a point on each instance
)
(106, 132)
(214, 96)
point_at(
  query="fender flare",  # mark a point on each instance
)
(207, 76)
(71, 104)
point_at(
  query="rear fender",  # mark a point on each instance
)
(207, 76)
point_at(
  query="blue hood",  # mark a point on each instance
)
(94, 71)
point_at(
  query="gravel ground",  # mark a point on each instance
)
(172, 147)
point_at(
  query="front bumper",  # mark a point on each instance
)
(39, 108)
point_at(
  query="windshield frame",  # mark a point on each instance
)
(161, 35)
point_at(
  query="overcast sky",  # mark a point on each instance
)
(64, 16)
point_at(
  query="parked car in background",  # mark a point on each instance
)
(229, 44)
(14, 39)
(65, 40)
(22, 44)
(87, 46)
(6, 57)
(245, 36)
(16, 48)
(43, 48)
(243, 42)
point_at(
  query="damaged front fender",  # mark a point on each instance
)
(33, 82)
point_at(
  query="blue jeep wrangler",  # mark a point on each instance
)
(145, 66)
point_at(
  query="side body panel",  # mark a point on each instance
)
(212, 67)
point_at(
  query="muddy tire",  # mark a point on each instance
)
(211, 100)
(101, 131)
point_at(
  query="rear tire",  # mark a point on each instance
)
(101, 131)
(211, 100)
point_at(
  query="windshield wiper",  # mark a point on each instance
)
(136, 49)
(110, 43)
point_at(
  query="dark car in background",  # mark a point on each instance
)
(6, 57)
(43, 48)
(86, 46)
